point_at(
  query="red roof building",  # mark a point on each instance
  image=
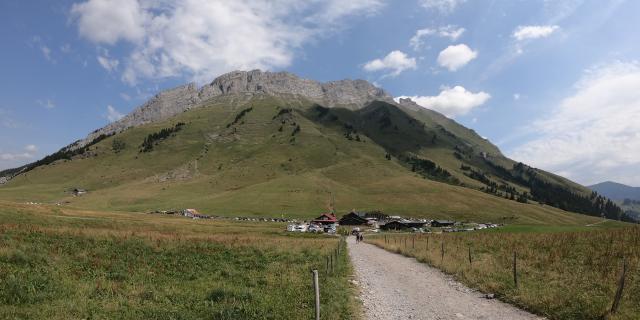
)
(326, 218)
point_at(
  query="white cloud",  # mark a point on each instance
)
(201, 39)
(108, 21)
(594, 134)
(108, 64)
(456, 57)
(47, 104)
(443, 6)
(516, 96)
(452, 102)
(395, 62)
(450, 31)
(113, 114)
(28, 152)
(533, 32)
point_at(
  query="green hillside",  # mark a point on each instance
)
(275, 156)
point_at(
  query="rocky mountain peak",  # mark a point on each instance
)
(166, 104)
(353, 93)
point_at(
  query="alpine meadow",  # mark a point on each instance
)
(374, 159)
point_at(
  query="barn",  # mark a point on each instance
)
(353, 219)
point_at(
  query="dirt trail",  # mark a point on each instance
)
(396, 287)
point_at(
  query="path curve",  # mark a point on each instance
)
(397, 287)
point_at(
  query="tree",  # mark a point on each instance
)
(118, 145)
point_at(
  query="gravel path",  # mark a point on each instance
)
(396, 287)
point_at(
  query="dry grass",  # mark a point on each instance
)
(562, 275)
(76, 264)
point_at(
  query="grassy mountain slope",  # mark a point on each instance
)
(261, 155)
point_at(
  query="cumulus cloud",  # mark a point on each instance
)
(395, 62)
(456, 57)
(113, 114)
(443, 6)
(201, 39)
(594, 134)
(450, 31)
(452, 102)
(533, 32)
(107, 63)
(108, 21)
(28, 152)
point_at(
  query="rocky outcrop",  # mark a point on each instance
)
(347, 93)
(162, 106)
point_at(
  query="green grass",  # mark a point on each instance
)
(563, 272)
(252, 168)
(69, 264)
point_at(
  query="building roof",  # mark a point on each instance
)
(326, 217)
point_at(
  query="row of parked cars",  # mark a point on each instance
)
(312, 227)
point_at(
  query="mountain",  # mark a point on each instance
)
(627, 197)
(263, 143)
(616, 191)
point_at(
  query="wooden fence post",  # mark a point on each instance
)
(515, 269)
(316, 289)
(413, 242)
(469, 255)
(442, 252)
(618, 296)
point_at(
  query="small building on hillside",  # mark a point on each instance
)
(442, 223)
(353, 219)
(326, 218)
(394, 225)
(377, 215)
(78, 192)
(414, 224)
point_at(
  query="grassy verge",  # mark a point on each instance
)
(561, 275)
(66, 264)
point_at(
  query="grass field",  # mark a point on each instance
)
(76, 264)
(258, 167)
(563, 273)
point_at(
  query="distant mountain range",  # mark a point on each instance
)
(265, 143)
(627, 197)
(616, 191)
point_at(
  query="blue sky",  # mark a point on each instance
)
(555, 84)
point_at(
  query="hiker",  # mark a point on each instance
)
(361, 237)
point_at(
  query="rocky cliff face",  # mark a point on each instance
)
(348, 93)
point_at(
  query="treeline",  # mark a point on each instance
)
(239, 116)
(561, 197)
(492, 187)
(351, 133)
(62, 154)
(430, 169)
(153, 138)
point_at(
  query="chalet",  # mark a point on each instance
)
(394, 225)
(353, 219)
(414, 224)
(326, 218)
(442, 223)
(378, 215)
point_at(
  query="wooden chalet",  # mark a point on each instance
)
(402, 225)
(442, 223)
(326, 218)
(353, 219)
